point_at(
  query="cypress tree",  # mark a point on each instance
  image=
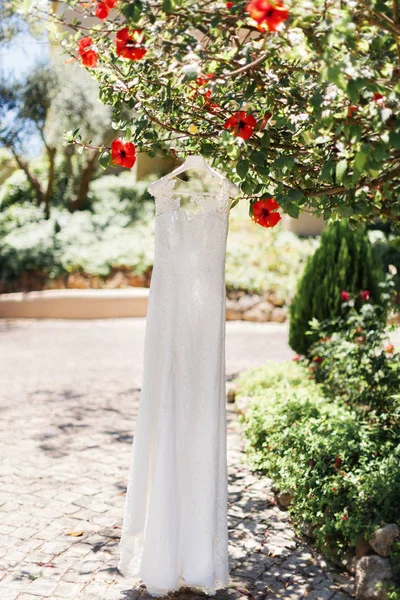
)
(343, 261)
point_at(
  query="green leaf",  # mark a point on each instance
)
(249, 92)
(247, 187)
(295, 195)
(292, 210)
(104, 159)
(258, 158)
(128, 9)
(341, 169)
(353, 91)
(359, 160)
(207, 149)
(380, 151)
(168, 6)
(395, 243)
(394, 139)
(327, 171)
(242, 168)
(316, 100)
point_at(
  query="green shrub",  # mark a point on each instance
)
(118, 231)
(343, 261)
(343, 477)
(353, 359)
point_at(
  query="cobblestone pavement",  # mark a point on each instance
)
(69, 398)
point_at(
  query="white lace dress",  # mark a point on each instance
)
(175, 522)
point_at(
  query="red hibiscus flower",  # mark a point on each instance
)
(103, 8)
(365, 295)
(345, 295)
(89, 56)
(264, 212)
(203, 79)
(272, 13)
(242, 125)
(128, 44)
(229, 5)
(123, 154)
(378, 98)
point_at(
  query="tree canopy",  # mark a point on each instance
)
(296, 100)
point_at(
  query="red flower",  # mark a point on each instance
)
(365, 295)
(272, 13)
(345, 518)
(242, 125)
(352, 109)
(203, 79)
(318, 359)
(123, 154)
(229, 5)
(128, 44)
(345, 296)
(89, 57)
(378, 98)
(264, 212)
(103, 8)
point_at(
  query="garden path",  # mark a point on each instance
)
(69, 397)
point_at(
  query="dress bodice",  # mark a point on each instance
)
(167, 200)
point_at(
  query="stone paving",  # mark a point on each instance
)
(69, 398)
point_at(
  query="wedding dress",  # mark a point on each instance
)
(174, 531)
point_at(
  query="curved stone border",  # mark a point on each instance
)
(75, 304)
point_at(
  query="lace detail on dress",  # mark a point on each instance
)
(167, 200)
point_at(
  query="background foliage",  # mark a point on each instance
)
(324, 90)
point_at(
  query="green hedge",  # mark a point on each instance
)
(326, 428)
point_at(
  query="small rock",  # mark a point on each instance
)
(371, 571)
(383, 539)
(233, 313)
(307, 529)
(278, 315)
(260, 312)
(231, 394)
(275, 299)
(284, 499)
(248, 301)
(351, 565)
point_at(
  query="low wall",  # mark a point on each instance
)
(75, 304)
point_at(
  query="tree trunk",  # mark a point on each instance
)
(78, 202)
(33, 180)
(51, 154)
